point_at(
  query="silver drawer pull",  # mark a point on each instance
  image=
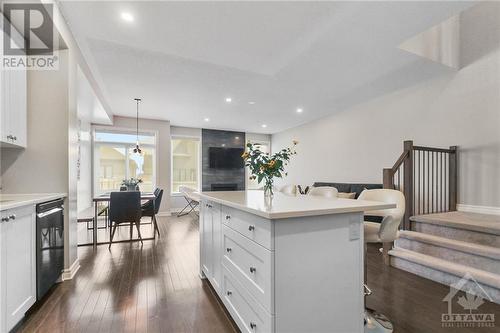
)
(12, 217)
(251, 228)
(5, 219)
(253, 325)
(229, 293)
(252, 269)
(228, 249)
(228, 217)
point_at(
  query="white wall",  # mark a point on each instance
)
(89, 111)
(185, 131)
(257, 137)
(462, 108)
(84, 184)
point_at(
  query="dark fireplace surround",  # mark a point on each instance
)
(214, 179)
(224, 187)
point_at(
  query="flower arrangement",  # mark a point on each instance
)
(265, 167)
(131, 183)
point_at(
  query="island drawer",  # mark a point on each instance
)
(248, 314)
(252, 226)
(251, 264)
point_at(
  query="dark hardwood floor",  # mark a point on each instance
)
(156, 288)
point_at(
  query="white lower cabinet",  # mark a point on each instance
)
(17, 265)
(251, 264)
(245, 310)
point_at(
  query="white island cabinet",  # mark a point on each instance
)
(290, 264)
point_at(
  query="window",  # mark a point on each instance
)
(185, 163)
(252, 184)
(115, 160)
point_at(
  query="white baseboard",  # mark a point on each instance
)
(69, 273)
(479, 209)
(177, 210)
(164, 214)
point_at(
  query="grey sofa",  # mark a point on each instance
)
(349, 187)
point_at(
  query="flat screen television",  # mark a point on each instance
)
(225, 158)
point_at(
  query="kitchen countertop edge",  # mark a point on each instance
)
(299, 213)
(20, 200)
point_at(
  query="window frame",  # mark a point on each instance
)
(122, 130)
(247, 169)
(177, 137)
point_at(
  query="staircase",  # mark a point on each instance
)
(444, 247)
(435, 241)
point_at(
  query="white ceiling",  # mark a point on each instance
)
(184, 58)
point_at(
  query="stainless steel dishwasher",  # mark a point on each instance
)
(50, 245)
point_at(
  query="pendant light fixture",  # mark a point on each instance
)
(137, 150)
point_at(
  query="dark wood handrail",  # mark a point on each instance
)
(400, 161)
(438, 150)
(428, 178)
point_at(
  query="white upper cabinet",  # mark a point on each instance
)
(13, 101)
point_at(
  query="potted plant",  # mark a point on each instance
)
(132, 184)
(265, 167)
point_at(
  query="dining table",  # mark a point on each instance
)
(106, 198)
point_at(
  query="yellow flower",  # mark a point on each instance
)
(272, 163)
(295, 142)
(245, 155)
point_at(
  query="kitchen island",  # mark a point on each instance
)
(290, 264)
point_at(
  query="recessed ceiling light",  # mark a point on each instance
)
(228, 99)
(263, 125)
(127, 17)
(207, 119)
(251, 103)
(299, 110)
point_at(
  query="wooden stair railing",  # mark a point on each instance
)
(428, 178)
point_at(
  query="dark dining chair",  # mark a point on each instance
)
(125, 207)
(151, 209)
(148, 205)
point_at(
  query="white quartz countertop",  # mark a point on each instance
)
(9, 201)
(286, 206)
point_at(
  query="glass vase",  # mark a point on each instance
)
(268, 188)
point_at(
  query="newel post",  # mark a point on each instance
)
(388, 179)
(408, 183)
(453, 181)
